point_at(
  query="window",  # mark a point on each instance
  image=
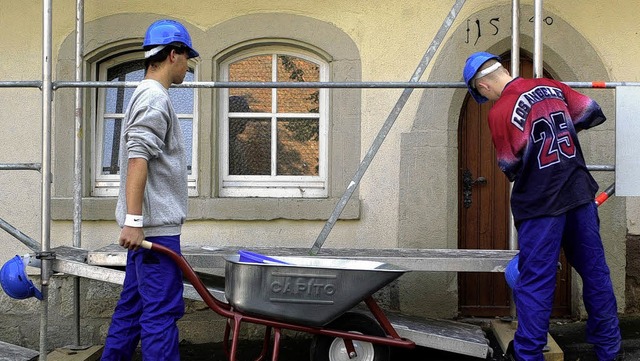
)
(274, 141)
(111, 105)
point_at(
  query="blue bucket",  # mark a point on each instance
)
(252, 257)
(511, 273)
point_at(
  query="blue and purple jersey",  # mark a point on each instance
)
(534, 125)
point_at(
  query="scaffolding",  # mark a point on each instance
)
(455, 260)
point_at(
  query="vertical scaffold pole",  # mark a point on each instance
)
(515, 38)
(77, 182)
(515, 71)
(386, 127)
(538, 69)
(47, 96)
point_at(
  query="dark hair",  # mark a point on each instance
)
(180, 48)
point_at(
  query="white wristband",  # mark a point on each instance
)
(133, 220)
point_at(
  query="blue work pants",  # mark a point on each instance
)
(578, 233)
(150, 305)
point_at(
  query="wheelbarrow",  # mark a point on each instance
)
(306, 294)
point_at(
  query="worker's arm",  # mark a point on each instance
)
(132, 237)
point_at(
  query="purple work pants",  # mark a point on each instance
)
(578, 233)
(150, 305)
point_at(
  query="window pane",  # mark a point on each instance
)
(186, 124)
(249, 146)
(118, 98)
(298, 151)
(111, 146)
(182, 98)
(254, 69)
(297, 100)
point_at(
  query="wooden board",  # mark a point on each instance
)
(504, 332)
(92, 353)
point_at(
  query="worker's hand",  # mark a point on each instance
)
(131, 237)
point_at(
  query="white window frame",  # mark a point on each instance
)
(108, 185)
(275, 185)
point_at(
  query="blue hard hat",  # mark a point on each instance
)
(511, 273)
(165, 32)
(474, 62)
(14, 280)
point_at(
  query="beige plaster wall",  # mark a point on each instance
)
(391, 38)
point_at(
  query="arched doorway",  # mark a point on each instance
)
(483, 204)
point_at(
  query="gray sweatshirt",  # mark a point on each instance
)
(151, 130)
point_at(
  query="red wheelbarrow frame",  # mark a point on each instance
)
(225, 310)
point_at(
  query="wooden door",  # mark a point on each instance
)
(483, 213)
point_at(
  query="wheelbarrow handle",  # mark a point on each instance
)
(188, 272)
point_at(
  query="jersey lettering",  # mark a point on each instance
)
(527, 100)
(564, 137)
(552, 139)
(544, 137)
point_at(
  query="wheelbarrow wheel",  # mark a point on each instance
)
(326, 348)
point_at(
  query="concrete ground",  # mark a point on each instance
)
(570, 336)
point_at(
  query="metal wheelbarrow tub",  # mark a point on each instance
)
(307, 291)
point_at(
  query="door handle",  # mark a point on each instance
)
(467, 186)
(480, 180)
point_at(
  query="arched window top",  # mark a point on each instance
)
(274, 64)
(284, 46)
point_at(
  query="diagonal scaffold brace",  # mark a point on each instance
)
(386, 127)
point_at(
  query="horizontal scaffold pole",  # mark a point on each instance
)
(20, 166)
(320, 85)
(224, 84)
(21, 84)
(601, 168)
(323, 85)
